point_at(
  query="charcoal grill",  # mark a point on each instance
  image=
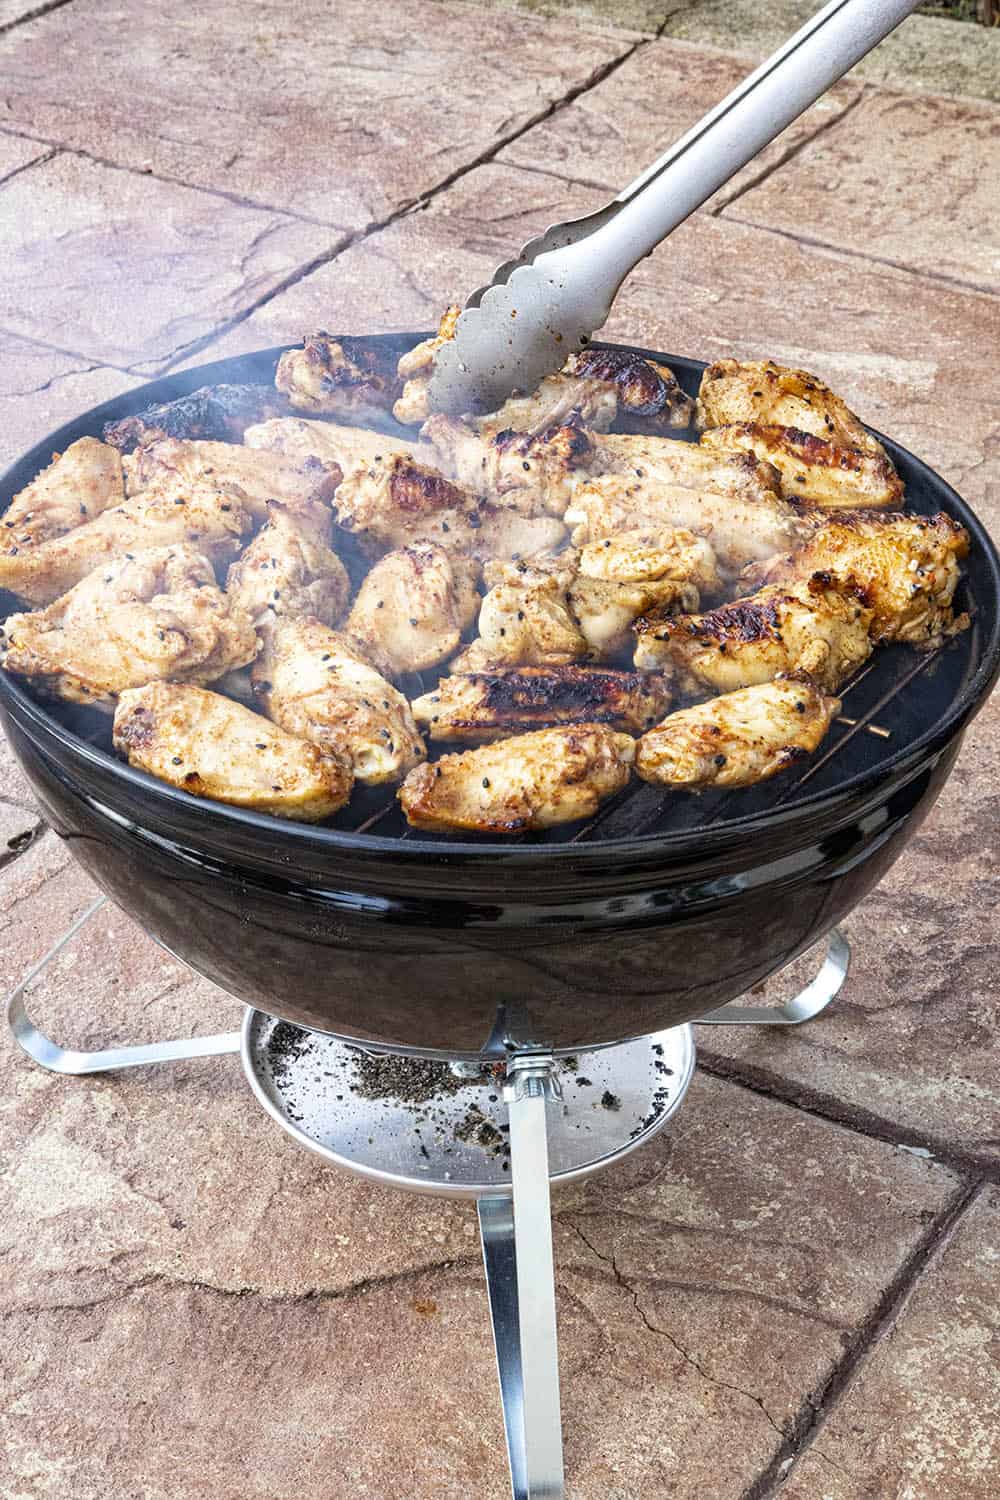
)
(606, 939)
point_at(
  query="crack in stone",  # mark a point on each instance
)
(792, 151)
(21, 843)
(917, 272)
(872, 1332)
(33, 15)
(953, 1157)
(161, 1280)
(654, 1328)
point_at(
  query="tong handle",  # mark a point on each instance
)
(728, 137)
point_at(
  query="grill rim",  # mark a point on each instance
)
(778, 819)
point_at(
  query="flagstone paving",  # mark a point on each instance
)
(792, 1290)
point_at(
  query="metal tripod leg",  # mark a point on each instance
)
(58, 1059)
(517, 1251)
(806, 1005)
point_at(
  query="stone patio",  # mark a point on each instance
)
(794, 1289)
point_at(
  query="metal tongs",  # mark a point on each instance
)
(547, 302)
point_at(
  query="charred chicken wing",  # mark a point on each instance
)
(209, 746)
(211, 518)
(739, 738)
(532, 781)
(336, 377)
(76, 487)
(319, 684)
(813, 468)
(906, 564)
(218, 412)
(156, 616)
(290, 569)
(414, 605)
(487, 706)
(819, 627)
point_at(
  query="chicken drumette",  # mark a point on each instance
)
(155, 616)
(289, 567)
(414, 605)
(211, 747)
(531, 781)
(739, 738)
(318, 683)
(534, 473)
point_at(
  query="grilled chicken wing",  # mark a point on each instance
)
(740, 530)
(211, 518)
(211, 747)
(819, 627)
(300, 441)
(546, 610)
(669, 461)
(76, 487)
(319, 684)
(595, 384)
(487, 706)
(526, 618)
(643, 556)
(259, 475)
(155, 616)
(289, 568)
(533, 781)
(414, 605)
(218, 412)
(340, 378)
(534, 473)
(761, 391)
(813, 468)
(906, 564)
(393, 503)
(739, 738)
(416, 367)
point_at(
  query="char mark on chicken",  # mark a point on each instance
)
(486, 706)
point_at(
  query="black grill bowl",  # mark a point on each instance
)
(663, 909)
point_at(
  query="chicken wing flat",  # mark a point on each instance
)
(486, 706)
(300, 441)
(414, 605)
(76, 487)
(907, 566)
(318, 683)
(338, 378)
(651, 555)
(290, 569)
(739, 738)
(211, 518)
(532, 781)
(761, 391)
(740, 530)
(217, 412)
(813, 468)
(260, 476)
(211, 747)
(534, 473)
(668, 461)
(155, 616)
(819, 627)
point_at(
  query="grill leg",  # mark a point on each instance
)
(520, 1276)
(806, 1005)
(58, 1059)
